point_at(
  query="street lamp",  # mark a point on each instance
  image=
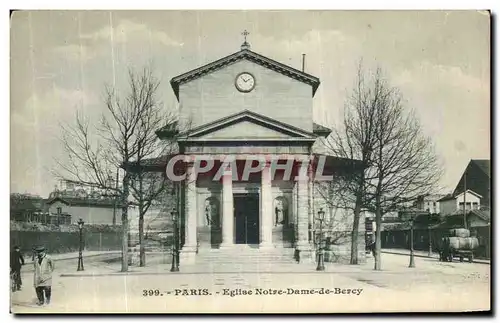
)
(175, 248)
(412, 256)
(80, 256)
(321, 260)
(430, 242)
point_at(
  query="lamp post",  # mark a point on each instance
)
(430, 241)
(412, 256)
(175, 247)
(80, 256)
(321, 256)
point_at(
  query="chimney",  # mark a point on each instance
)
(303, 62)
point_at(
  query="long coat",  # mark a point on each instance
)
(16, 260)
(43, 272)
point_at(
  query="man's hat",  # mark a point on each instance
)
(16, 247)
(40, 249)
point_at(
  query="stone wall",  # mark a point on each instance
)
(62, 242)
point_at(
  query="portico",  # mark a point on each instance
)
(264, 209)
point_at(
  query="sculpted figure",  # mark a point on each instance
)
(280, 211)
(211, 212)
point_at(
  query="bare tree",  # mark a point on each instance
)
(124, 137)
(146, 185)
(398, 160)
(404, 162)
(354, 139)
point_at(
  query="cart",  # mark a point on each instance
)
(461, 254)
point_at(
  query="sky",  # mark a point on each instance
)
(61, 60)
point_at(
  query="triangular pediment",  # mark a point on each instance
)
(251, 56)
(245, 129)
(247, 125)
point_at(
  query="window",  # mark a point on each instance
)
(59, 210)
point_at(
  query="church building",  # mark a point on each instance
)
(246, 104)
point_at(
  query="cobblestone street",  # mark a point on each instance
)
(432, 285)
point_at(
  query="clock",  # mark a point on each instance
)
(245, 82)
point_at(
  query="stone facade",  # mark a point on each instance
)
(274, 117)
(214, 96)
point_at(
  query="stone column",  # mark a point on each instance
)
(310, 203)
(227, 210)
(293, 214)
(190, 243)
(266, 219)
(303, 246)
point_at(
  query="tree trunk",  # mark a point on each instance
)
(355, 232)
(125, 227)
(430, 242)
(142, 247)
(378, 235)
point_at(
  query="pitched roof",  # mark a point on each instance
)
(483, 214)
(454, 196)
(250, 56)
(483, 165)
(470, 192)
(26, 204)
(456, 219)
(446, 197)
(251, 116)
(321, 130)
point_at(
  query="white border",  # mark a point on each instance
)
(150, 4)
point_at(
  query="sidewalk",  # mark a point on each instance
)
(160, 265)
(425, 254)
(155, 267)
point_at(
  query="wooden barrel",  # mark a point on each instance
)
(458, 243)
(462, 233)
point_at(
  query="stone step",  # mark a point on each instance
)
(249, 250)
(243, 258)
(235, 254)
(246, 256)
(251, 257)
(245, 261)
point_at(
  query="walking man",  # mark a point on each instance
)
(44, 266)
(372, 246)
(16, 261)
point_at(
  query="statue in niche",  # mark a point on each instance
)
(280, 211)
(212, 212)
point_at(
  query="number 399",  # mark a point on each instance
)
(150, 292)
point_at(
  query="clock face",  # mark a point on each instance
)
(245, 82)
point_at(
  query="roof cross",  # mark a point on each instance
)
(245, 33)
(245, 45)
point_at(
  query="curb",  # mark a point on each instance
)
(167, 272)
(484, 262)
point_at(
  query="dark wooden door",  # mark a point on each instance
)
(246, 218)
